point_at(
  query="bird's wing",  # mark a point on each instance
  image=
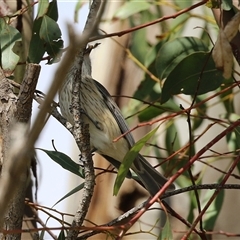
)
(112, 106)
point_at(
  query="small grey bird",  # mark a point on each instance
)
(106, 123)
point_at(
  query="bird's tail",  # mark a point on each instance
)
(151, 178)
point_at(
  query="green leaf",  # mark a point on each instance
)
(185, 77)
(130, 8)
(227, 5)
(152, 53)
(183, 4)
(139, 42)
(211, 215)
(157, 109)
(237, 142)
(200, 111)
(77, 8)
(178, 27)
(166, 232)
(227, 96)
(172, 138)
(61, 235)
(172, 143)
(46, 36)
(42, 8)
(192, 205)
(65, 161)
(53, 10)
(8, 37)
(73, 191)
(51, 34)
(173, 52)
(148, 89)
(237, 134)
(233, 138)
(190, 217)
(144, 88)
(36, 48)
(128, 160)
(139, 49)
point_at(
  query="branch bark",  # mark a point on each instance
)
(80, 130)
(16, 153)
(12, 207)
(15, 167)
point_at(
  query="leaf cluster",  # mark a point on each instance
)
(182, 80)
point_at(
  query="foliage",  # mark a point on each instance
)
(181, 83)
(46, 35)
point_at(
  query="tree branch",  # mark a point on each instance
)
(16, 161)
(26, 94)
(80, 130)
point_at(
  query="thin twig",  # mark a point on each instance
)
(132, 212)
(183, 169)
(175, 15)
(234, 164)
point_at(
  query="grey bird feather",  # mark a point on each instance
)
(150, 178)
(106, 123)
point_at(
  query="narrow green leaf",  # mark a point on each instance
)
(211, 215)
(166, 232)
(65, 161)
(179, 26)
(183, 4)
(237, 134)
(195, 74)
(73, 191)
(190, 217)
(233, 138)
(172, 139)
(42, 233)
(200, 111)
(227, 97)
(128, 160)
(130, 8)
(192, 200)
(42, 8)
(139, 43)
(139, 49)
(237, 142)
(173, 52)
(77, 9)
(8, 37)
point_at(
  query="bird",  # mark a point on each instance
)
(106, 123)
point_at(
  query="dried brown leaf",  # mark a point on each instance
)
(232, 27)
(222, 55)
